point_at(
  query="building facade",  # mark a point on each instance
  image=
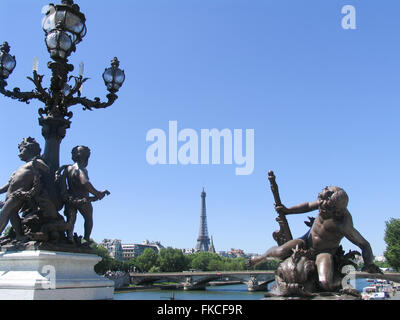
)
(114, 248)
(133, 250)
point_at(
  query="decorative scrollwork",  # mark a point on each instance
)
(56, 101)
(94, 104)
(16, 93)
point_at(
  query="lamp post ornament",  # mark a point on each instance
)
(36, 191)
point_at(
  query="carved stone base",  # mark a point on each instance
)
(17, 246)
(50, 275)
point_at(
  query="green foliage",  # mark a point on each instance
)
(268, 265)
(392, 239)
(146, 260)
(392, 255)
(392, 232)
(155, 269)
(201, 260)
(129, 265)
(106, 262)
(207, 261)
(382, 264)
(99, 250)
(233, 264)
(109, 264)
(171, 260)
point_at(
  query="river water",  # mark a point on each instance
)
(226, 292)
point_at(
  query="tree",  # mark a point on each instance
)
(106, 262)
(392, 239)
(130, 265)
(268, 265)
(146, 260)
(155, 269)
(207, 261)
(171, 260)
(99, 250)
(382, 264)
(201, 260)
(215, 264)
(234, 264)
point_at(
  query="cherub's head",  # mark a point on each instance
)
(28, 149)
(80, 155)
(333, 202)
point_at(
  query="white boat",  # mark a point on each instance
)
(378, 296)
(379, 291)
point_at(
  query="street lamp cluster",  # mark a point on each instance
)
(64, 26)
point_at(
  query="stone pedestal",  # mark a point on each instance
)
(50, 275)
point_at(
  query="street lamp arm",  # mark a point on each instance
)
(18, 95)
(94, 104)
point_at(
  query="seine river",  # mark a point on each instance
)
(229, 292)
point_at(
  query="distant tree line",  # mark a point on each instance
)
(173, 260)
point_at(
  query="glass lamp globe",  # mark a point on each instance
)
(114, 77)
(65, 27)
(7, 61)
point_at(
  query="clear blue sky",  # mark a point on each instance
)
(323, 101)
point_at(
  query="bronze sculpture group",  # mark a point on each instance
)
(314, 263)
(27, 193)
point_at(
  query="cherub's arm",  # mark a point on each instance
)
(301, 208)
(84, 180)
(356, 238)
(4, 188)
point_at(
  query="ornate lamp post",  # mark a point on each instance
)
(64, 27)
(39, 189)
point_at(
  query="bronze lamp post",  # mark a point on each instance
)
(64, 27)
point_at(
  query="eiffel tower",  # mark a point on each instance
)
(203, 241)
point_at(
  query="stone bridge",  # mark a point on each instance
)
(255, 280)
